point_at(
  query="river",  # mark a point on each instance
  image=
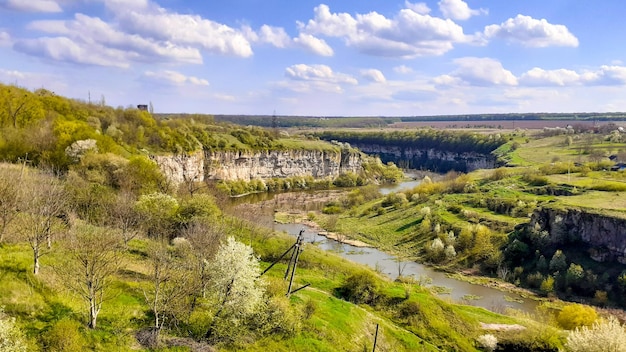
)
(457, 290)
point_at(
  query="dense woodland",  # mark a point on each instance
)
(458, 142)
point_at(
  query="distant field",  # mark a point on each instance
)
(503, 124)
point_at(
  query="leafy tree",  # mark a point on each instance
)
(235, 284)
(158, 214)
(362, 287)
(91, 258)
(558, 261)
(603, 336)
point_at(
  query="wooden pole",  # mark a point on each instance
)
(375, 339)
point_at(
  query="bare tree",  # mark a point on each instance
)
(171, 282)
(204, 238)
(42, 214)
(9, 197)
(92, 256)
(123, 216)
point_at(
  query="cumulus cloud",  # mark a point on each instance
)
(90, 40)
(419, 7)
(66, 50)
(31, 5)
(476, 71)
(174, 78)
(373, 75)
(541, 77)
(458, 9)
(318, 73)
(408, 34)
(531, 32)
(275, 36)
(314, 45)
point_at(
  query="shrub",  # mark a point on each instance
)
(11, 337)
(362, 287)
(602, 336)
(575, 316)
(64, 336)
(488, 342)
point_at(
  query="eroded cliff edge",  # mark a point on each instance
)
(604, 234)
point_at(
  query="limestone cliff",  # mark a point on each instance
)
(431, 159)
(248, 165)
(180, 168)
(604, 234)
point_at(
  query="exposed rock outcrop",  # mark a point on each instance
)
(604, 234)
(180, 168)
(431, 159)
(249, 165)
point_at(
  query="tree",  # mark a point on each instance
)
(235, 284)
(171, 281)
(558, 261)
(158, 214)
(603, 336)
(122, 215)
(91, 258)
(9, 197)
(204, 238)
(41, 217)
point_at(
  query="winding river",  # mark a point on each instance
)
(456, 290)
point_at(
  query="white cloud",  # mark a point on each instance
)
(32, 5)
(314, 45)
(458, 9)
(541, 77)
(531, 32)
(174, 78)
(419, 7)
(318, 73)
(408, 34)
(373, 75)
(161, 25)
(66, 50)
(90, 40)
(275, 36)
(403, 70)
(475, 71)
(603, 76)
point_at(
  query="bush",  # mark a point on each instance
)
(488, 342)
(362, 287)
(64, 336)
(11, 337)
(575, 316)
(602, 336)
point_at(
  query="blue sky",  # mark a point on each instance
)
(331, 58)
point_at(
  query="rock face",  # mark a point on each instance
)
(181, 168)
(431, 159)
(249, 165)
(244, 165)
(606, 235)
